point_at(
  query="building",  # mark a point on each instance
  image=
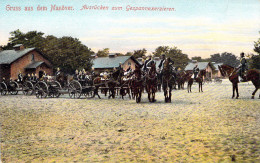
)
(203, 66)
(217, 73)
(24, 60)
(113, 61)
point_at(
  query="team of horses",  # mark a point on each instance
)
(138, 81)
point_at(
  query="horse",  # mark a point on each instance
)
(151, 82)
(108, 84)
(199, 80)
(167, 80)
(252, 75)
(137, 84)
(181, 78)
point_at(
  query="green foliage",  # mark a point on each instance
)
(103, 53)
(254, 61)
(139, 53)
(66, 52)
(129, 54)
(180, 60)
(225, 58)
(257, 46)
(161, 50)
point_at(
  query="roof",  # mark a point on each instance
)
(110, 62)
(201, 65)
(217, 64)
(34, 65)
(9, 56)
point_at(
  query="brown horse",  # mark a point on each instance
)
(151, 82)
(252, 75)
(137, 84)
(167, 80)
(199, 80)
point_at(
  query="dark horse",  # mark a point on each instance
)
(137, 84)
(108, 83)
(151, 82)
(252, 75)
(199, 80)
(167, 80)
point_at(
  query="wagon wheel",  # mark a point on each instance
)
(75, 89)
(28, 88)
(3, 89)
(54, 89)
(13, 89)
(41, 90)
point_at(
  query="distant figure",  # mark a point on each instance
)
(242, 67)
(162, 61)
(20, 77)
(76, 75)
(58, 72)
(196, 71)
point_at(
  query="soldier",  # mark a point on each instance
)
(76, 75)
(20, 77)
(162, 61)
(196, 71)
(147, 62)
(93, 71)
(58, 72)
(242, 68)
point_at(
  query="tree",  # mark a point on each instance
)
(139, 53)
(103, 53)
(67, 53)
(129, 54)
(161, 50)
(254, 61)
(225, 58)
(180, 60)
(257, 46)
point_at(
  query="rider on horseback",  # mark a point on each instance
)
(58, 72)
(242, 68)
(196, 71)
(146, 63)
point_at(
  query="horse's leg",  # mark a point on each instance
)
(170, 94)
(233, 85)
(253, 94)
(237, 90)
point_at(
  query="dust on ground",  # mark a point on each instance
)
(195, 127)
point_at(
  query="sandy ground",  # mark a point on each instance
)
(195, 127)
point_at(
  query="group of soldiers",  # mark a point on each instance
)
(83, 74)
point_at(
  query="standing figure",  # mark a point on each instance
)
(147, 62)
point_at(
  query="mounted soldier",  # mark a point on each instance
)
(242, 68)
(147, 62)
(196, 71)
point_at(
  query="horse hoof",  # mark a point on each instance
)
(252, 97)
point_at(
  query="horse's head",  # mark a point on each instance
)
(226, 70)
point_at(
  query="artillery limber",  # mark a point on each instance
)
(55, 87)
(13, 87)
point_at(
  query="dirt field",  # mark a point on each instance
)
(195, 127)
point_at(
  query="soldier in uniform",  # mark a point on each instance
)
(93, 71)
(242, 67)
(162, 61)
(196, 71)
(76, 75)
(147, 62)
(20, 77)
(58, 72)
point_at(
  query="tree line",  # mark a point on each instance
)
(69, 53)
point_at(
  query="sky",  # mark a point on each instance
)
(197, 27)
